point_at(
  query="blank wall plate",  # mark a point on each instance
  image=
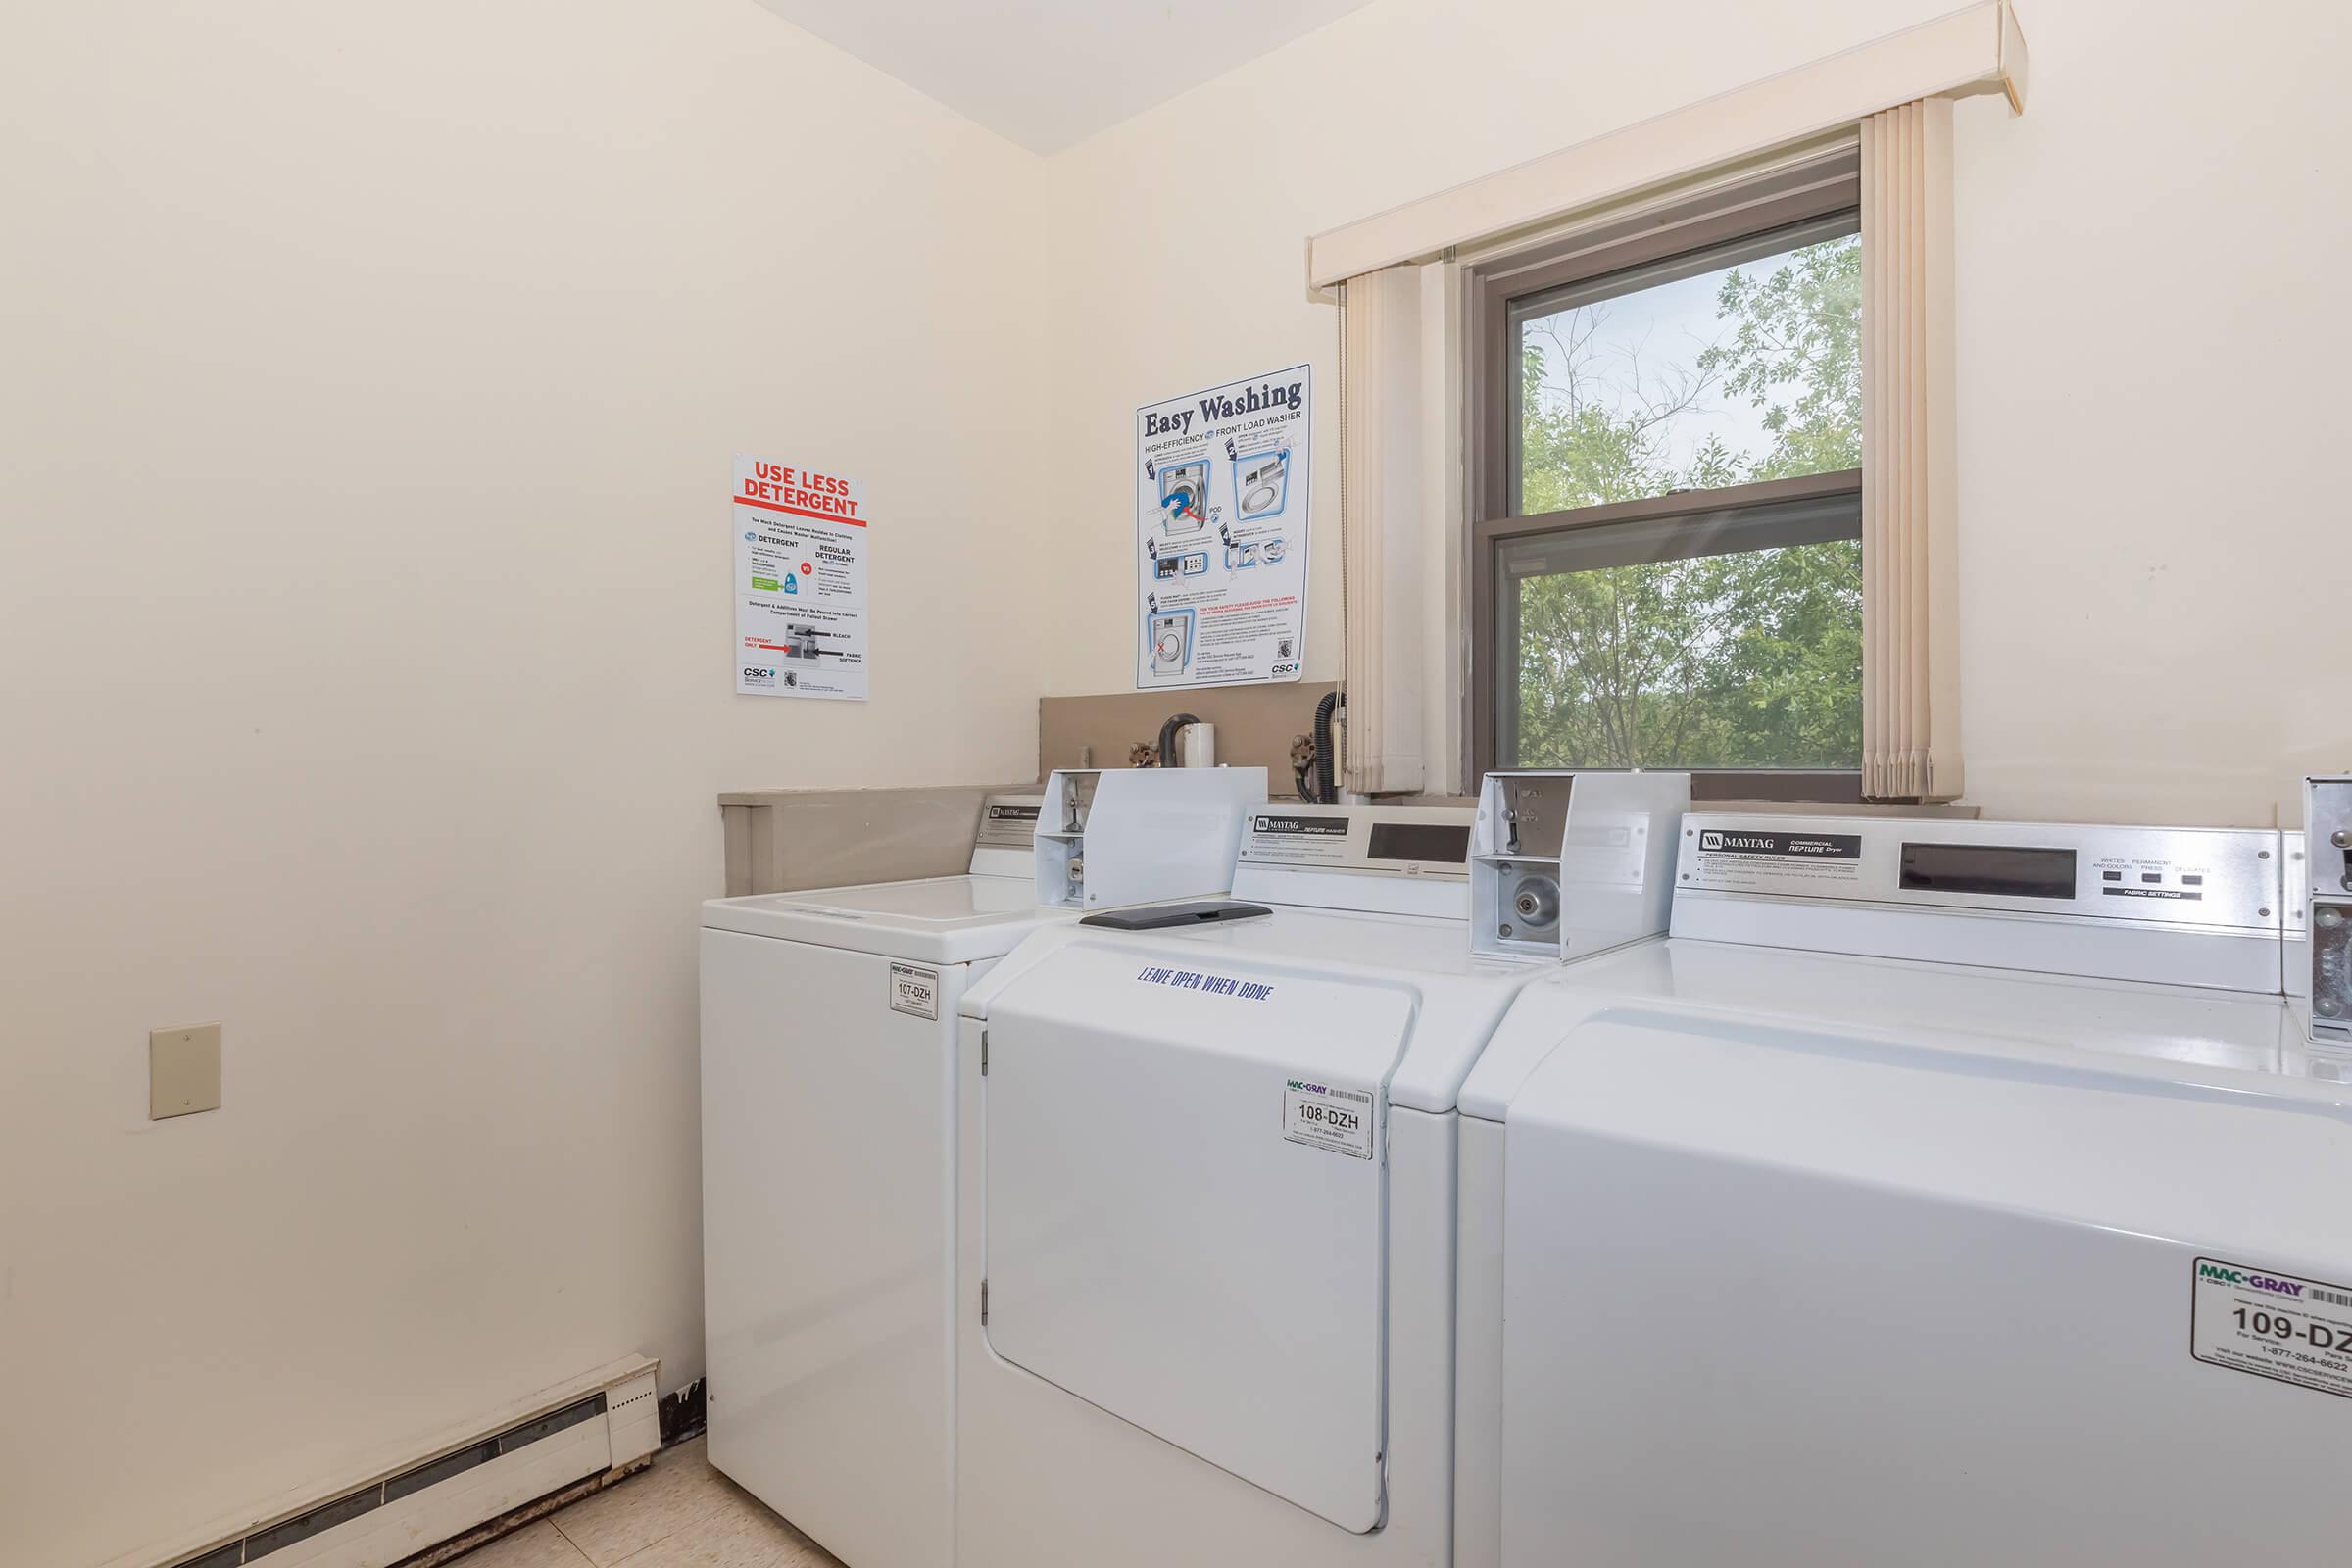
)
(183, 1070)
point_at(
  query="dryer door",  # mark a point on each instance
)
(1186, 1205)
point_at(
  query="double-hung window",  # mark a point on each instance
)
(1665, 450)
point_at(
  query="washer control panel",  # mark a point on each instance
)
(2199, 877)
(1009, 821)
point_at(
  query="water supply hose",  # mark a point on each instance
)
(1326, 788)
(1167, 737)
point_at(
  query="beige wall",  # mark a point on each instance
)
(369, 383)
(367, 378)
(2153, 334)
(2149, 326)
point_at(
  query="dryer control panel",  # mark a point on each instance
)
(1372, 859)
(1415, 841)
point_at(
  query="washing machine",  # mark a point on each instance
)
(828, 1070)
(1941, 1193)
(1261, 480)
(1184, 497)
(1171, 632)
(1207, 1200)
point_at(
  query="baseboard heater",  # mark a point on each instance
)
(530, 1457)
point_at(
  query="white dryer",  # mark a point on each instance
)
(1207, 1200)
(1941, 1193)
(828, 1035)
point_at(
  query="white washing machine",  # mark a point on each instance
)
(1207, 1200)
(828, 1151)
(1943, 1193)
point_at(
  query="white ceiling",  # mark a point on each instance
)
(1050, 72)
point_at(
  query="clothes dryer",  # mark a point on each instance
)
(1207, 1195)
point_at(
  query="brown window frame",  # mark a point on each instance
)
(1804, 190)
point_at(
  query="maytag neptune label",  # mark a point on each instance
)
(1739, 860)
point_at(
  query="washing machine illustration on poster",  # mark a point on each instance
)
(1172, 642)
(1261, 485)
(1184, 497)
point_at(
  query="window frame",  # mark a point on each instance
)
(1812, 187)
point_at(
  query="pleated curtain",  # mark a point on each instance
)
(1381, 535)
(1910, 666)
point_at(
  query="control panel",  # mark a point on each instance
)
(2185, 876)
(2051, 897)
(2327, 856)
(1369, 860)
(1009, 821)
(1415, 841)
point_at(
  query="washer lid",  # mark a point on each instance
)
(2106, 1025)
(949, 919)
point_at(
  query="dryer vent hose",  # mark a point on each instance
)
(1327, 791)
(1167, 737)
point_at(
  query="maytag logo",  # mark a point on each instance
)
(1785, 846)
(1329, 827)
(2223, 1275)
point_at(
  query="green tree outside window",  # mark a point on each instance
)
(1744, 660)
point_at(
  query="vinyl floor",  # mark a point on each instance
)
(677, 1513)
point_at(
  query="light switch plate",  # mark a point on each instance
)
(183, 1070)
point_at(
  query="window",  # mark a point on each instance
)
(1666, 443)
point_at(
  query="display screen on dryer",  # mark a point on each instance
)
(1441, 842)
